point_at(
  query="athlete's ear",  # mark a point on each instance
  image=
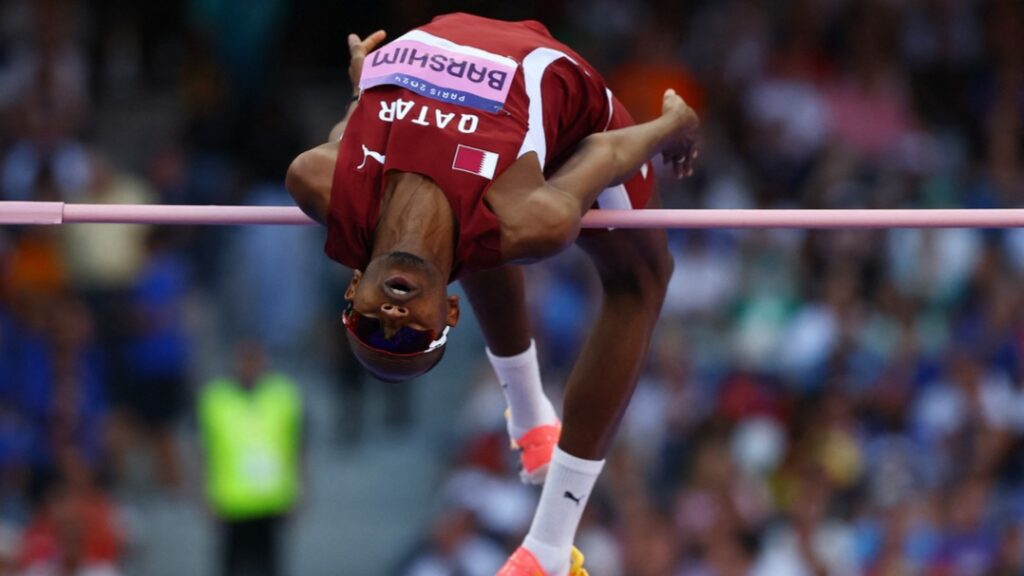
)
(453, 311)
(350, 292)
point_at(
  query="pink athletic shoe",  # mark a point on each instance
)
(535, 449)
(524, 563)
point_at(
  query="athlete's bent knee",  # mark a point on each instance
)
(643, 279)
(662, 267)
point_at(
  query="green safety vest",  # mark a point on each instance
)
(251, 440)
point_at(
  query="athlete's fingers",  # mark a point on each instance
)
(361, 47)
(373, 40)
(354, 43)
(358, 54)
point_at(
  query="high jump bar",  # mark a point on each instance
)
(53, 213)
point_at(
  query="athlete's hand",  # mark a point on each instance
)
(680, 148)
(359, 48)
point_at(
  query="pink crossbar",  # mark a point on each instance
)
(61, 213)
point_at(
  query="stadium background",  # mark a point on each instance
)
(815, 402)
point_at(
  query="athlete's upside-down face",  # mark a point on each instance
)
(401, 304)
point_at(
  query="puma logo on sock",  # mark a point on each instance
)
(575, 499)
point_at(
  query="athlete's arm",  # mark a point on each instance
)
(608, 158)
(544, 216)
(358, 49)
(309, 180)
(310, 175)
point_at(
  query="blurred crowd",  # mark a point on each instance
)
(101, 326)
(838, 403)
(815, 403)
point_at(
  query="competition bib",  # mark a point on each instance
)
(441, 70)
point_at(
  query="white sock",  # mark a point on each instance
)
(519, 376)
(566, 492)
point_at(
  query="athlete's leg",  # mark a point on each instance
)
(499, 301)
(634, 267)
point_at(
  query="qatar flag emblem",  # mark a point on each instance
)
(475, 161)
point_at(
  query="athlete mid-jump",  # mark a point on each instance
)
(477, 144)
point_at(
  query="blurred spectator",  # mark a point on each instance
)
(455, 548)
(35, 267)
(106, 258)
(75, 531)
(69, 414)
(638, 82)
(1010, 556)
(485, 511)
(280, 312)
(243, 34)
(49, 109)
(105, 261)
(251, 430)
(968, 545)
(10, 540)
(150, 399)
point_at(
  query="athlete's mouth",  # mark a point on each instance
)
(400, 286)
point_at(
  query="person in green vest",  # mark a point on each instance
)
(251, 432)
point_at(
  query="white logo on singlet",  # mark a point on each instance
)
(367, 153)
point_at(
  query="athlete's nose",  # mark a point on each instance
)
(394, 312)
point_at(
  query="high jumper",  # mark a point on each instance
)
(474, 145)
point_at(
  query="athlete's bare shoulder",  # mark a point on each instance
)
(309, 180)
